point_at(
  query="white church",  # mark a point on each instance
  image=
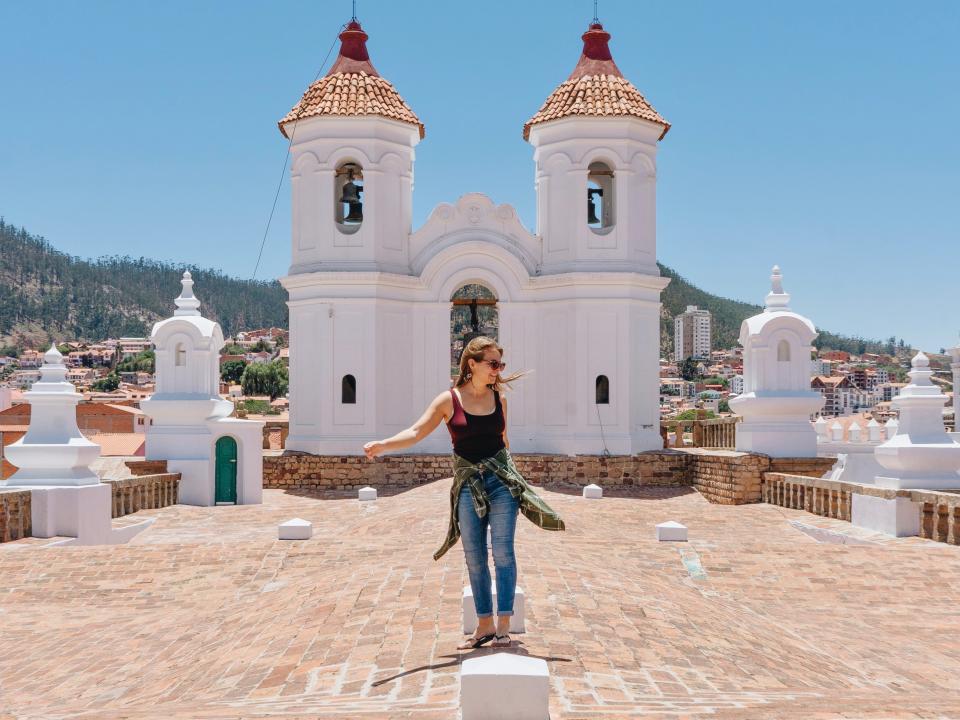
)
(578, 300)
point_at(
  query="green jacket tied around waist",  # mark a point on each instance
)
(531, 505)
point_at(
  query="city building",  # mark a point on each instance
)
(838, 393)
(692, 334)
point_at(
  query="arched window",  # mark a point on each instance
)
(783, 351)
(603, 390)
(600, 198)
(348, 200)
(180, 356)
(348, 390)
(473, 312)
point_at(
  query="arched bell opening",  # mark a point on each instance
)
(600, 197)
(473, 313)
(348, 200)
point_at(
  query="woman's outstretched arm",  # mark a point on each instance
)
(437, 411)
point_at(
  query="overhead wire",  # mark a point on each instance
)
(286, 155)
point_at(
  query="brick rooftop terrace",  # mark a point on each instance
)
(207, 615)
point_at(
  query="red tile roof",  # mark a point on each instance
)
(596, 88)
(352, 88)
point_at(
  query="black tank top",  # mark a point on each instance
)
(476, 436)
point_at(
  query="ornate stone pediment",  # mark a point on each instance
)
(473, 217)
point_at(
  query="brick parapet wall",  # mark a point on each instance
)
(147, 492)
(293, 470)
(15, 515)
(722, 476)
(728, 477)
(939, 511)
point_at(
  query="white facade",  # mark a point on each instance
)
(370, 305)
(777, 402)
(189, 417)
(692, 334)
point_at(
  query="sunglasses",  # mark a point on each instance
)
(495, 364)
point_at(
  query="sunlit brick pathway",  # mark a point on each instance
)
(206, 615)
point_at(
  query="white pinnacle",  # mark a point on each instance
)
(777, 300)
(187, 303)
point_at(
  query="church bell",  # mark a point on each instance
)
(351, 196)
(592, 218)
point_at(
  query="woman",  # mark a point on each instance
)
(487, 488)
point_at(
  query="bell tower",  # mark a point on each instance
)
(351, 143)
(595, 146)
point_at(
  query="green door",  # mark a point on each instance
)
(226, 470)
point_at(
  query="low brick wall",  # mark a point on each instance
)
(939, 511)
(327, 472)
(143, 493)
(15, 515)
(826, 498)
(939, 515)
(729, 477)
(303, 471)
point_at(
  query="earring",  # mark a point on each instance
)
(469, 375)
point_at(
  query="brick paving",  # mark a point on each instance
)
(766, 612)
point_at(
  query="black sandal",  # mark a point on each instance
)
(475, 642)
(503, 640)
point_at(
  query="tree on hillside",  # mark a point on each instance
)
(689, 369)
(108, 384)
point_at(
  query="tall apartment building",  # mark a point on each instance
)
(692, 334)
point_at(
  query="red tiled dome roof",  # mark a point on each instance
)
(596, 88)
(352, 88)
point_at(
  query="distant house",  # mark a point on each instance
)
(838, 394)
(131, 346)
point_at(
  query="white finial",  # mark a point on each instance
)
(53, 356)
(187, 303)
(777, 299)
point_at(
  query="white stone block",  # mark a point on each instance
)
(296, 529)
(594, 492)
(79, 512)
(504, 686)
(368, 493)
(898, 516)
(517, 621)
(671, 531)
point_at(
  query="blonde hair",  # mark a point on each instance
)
(475, 350)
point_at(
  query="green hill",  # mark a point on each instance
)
(46, 295)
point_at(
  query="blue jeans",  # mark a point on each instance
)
(502, 520)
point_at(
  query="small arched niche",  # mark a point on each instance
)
(600, 197)
(783, 351)
(602, 392)
(348, 390)
(348, 197)
(180, 355)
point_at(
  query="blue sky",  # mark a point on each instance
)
(822, 136)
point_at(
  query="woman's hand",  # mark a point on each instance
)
(373, 448)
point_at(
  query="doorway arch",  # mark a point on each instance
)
(473, 311)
